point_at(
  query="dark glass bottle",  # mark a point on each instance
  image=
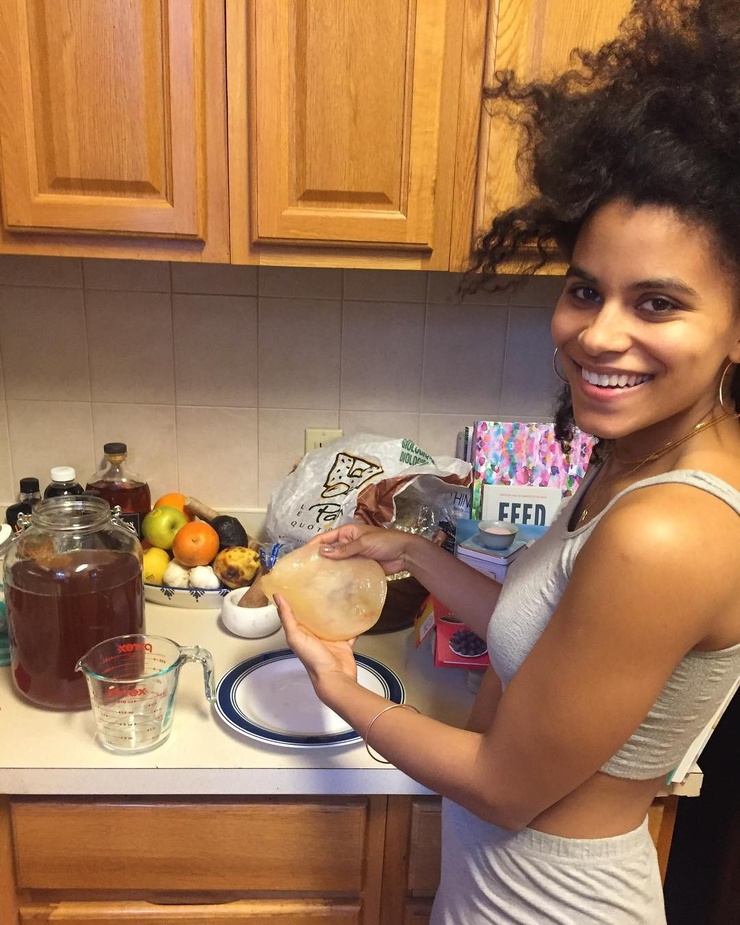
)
(119, 486)
(63, 482)
(28, 495)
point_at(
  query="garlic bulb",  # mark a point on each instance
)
(203, 576)
(176, 575)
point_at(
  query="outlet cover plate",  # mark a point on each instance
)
(317, 437)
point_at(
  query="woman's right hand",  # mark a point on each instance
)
(387, 547)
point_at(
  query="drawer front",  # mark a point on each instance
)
(264, 912)
(291, 846)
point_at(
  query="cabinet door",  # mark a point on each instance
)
(343, 126)
(534, 38)
(110, 124)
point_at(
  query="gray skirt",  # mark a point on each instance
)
(491, 876)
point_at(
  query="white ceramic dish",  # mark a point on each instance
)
(270, 698)
(249, 622)
(187, 598)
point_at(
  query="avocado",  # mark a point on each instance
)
(230, 531)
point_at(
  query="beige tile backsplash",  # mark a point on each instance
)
(211, 374)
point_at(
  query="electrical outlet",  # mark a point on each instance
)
(316, 437)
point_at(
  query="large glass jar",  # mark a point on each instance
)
(72, 578)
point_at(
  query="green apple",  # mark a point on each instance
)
(154, 563)
(160, 526)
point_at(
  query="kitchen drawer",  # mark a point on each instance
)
(289, 846)
(258, 912)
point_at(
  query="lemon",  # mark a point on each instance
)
(154, 563)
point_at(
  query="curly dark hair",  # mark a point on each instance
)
(652, 117)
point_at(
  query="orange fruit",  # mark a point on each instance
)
(174, 499)
(195, 543)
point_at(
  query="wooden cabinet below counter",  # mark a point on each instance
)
(288, 861)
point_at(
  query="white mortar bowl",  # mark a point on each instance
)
(249, 622)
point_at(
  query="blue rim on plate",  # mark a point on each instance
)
(378, 676)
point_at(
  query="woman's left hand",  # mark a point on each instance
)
(323, 659)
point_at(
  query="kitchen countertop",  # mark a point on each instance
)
(46, 752)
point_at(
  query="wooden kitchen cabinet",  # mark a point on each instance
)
(113, 129)
(354, 133)
(288, 861)
(353, 129)
(283, 861)
(534, 38)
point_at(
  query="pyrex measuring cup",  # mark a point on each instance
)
(132, 682)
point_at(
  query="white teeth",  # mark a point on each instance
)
(621, 380)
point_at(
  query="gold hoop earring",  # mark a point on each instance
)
(555, 369)
(722, 378)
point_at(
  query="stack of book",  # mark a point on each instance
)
(493, 562)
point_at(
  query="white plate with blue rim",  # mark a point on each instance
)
(270, 698)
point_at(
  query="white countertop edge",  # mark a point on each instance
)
(246, 782)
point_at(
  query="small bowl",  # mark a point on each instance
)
(187, 598)
(496, 534)
(249, 622)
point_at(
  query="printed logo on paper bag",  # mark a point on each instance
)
(347, 474)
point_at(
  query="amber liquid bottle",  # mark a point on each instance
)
(120, 487)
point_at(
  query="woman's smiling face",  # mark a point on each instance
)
(645, 325)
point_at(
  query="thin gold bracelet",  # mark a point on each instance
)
(377, 716)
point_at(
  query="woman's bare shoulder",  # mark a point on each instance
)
(681, 538)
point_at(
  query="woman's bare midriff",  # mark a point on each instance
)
(601, 807)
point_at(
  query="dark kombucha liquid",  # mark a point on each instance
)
(59, 607)
(134, 499)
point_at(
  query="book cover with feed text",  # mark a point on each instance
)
(520, 472)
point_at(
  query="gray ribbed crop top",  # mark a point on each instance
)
(534, 585)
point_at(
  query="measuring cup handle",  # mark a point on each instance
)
(198, 654)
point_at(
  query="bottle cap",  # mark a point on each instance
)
(62, 474)
(114, 449)
(28, 485)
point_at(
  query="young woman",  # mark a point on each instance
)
(618, 634)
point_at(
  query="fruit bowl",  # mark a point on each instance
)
(186, 598)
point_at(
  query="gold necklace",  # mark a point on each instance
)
(640, 461)
(656, 454)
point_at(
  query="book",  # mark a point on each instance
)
(455, 644)
(520, 504)
(465, 443)
(525, 455)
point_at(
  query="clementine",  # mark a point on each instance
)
(174, 499)
(195, 543)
